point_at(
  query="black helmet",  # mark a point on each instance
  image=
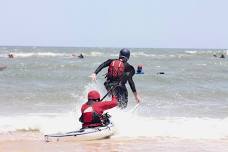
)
(124, 53)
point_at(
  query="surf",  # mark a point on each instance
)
(128, 124)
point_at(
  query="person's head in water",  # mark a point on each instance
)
(11, 55)
(81, 56)
(139, 68)
(222, 56)
(124, 54)
(94, 96)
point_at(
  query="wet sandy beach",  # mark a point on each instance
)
(34, 142)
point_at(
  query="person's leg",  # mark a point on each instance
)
(120, 92)
(108, 86)
(122, 95)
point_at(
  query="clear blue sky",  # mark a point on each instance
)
(115, 23)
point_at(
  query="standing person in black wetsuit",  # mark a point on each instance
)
(119, 73)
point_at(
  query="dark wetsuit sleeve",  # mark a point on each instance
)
(130, 79)
(103, 65)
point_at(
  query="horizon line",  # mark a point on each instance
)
(56, 46)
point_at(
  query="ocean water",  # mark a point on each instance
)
(42, 89)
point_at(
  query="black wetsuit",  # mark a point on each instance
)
(120, 91)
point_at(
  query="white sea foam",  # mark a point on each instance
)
(127, 125)
(137, 54)
(191, 52)
(52, 54)
(190, 128)
(43, 122)
(36, 54)
(94, 54)
(202, 64)
(86, 54)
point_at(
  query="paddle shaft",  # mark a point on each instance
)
(109, 92)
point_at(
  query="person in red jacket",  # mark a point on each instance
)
(92, 110)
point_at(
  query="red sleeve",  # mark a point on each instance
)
(83, 108)
(108, 104)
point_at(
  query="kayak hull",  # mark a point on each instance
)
(83, 134)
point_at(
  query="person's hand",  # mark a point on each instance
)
(137, 97)
(94, 76)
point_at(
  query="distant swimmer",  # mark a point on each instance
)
(161, 73)
(222, 56)
(139, 69)
(11, 55)
(81, 56)
(2, 67)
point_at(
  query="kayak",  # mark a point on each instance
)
(83, 134)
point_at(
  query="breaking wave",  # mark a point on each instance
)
(127, 125)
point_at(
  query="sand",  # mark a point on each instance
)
(34, 142)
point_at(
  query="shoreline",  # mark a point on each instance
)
(34, 141)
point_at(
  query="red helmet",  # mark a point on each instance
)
(94, 95)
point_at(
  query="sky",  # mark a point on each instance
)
(115, 23)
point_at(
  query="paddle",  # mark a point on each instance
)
(113, 87)
(134, 108)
